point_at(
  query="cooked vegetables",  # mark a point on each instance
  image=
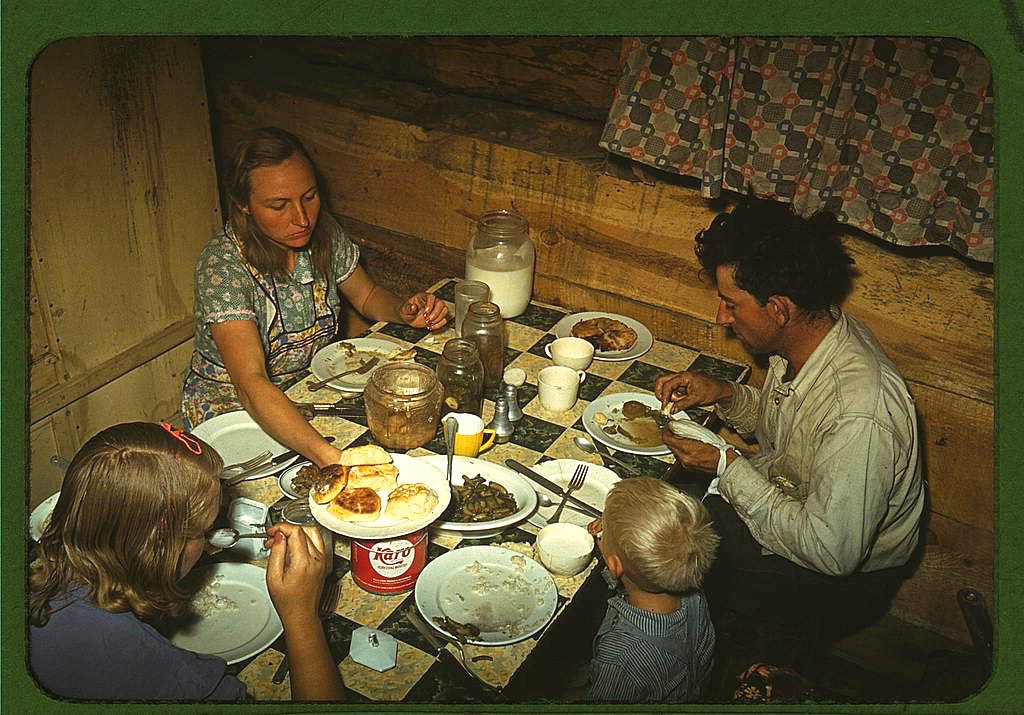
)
(476, 499)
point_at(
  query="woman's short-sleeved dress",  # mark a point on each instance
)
(295, 315)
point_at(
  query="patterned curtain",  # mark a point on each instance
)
(893, 135)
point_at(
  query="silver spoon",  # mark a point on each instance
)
(545, 501)
(587, 446)
(227, 537)
(451, 425)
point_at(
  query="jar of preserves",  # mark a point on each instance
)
(403, 404)
(483, 325)
(501, 255)
(462, 377)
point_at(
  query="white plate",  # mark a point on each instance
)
(334, 358)
(410, 471)
(518, 487)
(239, 631)
(505, 594)
(284, 479)
(594, 490)
(611, 407)
(237, 437)
(644, 339)
(38, 517)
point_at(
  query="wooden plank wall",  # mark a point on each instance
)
(123, 196)
(418, 136)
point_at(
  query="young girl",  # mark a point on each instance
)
(130, 522)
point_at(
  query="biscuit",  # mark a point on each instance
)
(358, 504)
(382, 477)
(411, 501)
(331, 481)
(365, 454)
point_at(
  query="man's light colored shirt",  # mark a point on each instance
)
(837, 485)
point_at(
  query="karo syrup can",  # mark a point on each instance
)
(388, 566)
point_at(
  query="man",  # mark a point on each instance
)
(828, 509)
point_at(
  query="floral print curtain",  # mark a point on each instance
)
(894, 135)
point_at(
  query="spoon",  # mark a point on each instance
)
(587, 446)
(450, 427)
(227, 537)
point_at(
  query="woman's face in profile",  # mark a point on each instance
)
(284, 201)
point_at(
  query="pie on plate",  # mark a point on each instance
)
(606, 334)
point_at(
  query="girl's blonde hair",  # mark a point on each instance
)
(662, 535)
(131, 498)
(270, 146)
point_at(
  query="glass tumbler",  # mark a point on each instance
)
(467, 293)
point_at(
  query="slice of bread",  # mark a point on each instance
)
(411, 501)
(366, 454)
(359, 504)
(382, 477)
(332, 480)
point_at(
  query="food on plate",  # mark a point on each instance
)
(605, 334)
(381, 477)
(411, 501)
(355, 504)
(365, 454)
(401, 354)
(305, 479)
(634, 421)
(461, 631)
(476, 500)
(328, 482)
(600, 418)
(631, 409)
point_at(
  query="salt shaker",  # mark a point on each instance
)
(514, 378)
(500, 423)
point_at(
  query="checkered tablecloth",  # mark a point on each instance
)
(539, 436)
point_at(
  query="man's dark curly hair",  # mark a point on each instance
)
(776, 252)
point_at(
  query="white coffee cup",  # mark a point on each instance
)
(572, 352)
(563, 548)
(557, 387)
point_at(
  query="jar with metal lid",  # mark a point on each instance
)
(483, 325)
(501, 255)
(462, 376)
(403, 404)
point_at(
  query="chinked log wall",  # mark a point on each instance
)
(418, 136)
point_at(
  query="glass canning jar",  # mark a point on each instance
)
(501, 255)
(484, 326)
(403, 404)
(462, 376)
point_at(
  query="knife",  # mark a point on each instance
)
(438, 644)
(547, 483)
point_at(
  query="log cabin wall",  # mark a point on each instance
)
(122, 197)
(416, 137)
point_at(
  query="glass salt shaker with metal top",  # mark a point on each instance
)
(500, 423)
(484, 326)
(513, 379)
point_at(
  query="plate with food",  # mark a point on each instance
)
(349, 355)
(614, 337)
(237, 437)
(486, 595)
(594, 490)
(623, 421)
(231, 614)
(491, 498)
(373, 494)
(295, 481)
(40, 516)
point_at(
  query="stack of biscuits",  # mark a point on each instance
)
(353, 487)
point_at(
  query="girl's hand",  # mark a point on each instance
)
(295, 570)
(424, 310)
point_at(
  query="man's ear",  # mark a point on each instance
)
(780, 309)
(614, 564)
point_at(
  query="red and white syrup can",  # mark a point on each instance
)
(389, 565)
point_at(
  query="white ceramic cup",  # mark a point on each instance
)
(572, 352)
(557, 387)
(564, 548)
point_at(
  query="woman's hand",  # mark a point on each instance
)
(424, 310)
(689, 389)
(295, 571)
(596, 527)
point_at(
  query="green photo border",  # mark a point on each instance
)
(994, 26)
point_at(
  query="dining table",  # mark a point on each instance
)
(516, 672)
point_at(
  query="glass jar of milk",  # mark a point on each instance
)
(502, 256)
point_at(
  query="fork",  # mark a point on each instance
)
(361, 370)
(233, 470)
(579, 476)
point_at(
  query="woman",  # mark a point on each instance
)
(268, 293)
(130, 522)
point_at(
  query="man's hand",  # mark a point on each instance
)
(692, 453)
(295, 570)
(424, 310)
(689, 389)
